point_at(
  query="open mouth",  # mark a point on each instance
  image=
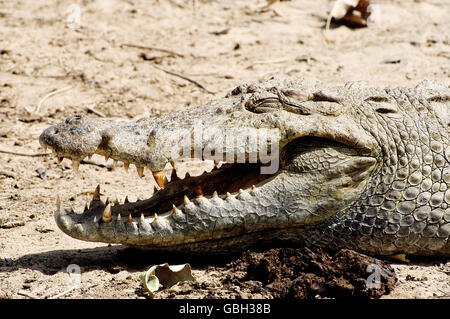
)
(223, 181)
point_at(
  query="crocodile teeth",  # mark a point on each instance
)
(126, 166)
(159, 178)
(130, 218)
(173, 164)
(119, 218)
(106, 158)
(155, 218)
(142, 219)
(215, 194)
(140, 171)
(174, 176)
(96, 195)
(106, 217)
(59, 205)
(126, 200)
(174, 208)
(186, 200)
(75, 165)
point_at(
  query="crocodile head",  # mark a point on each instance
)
(291, 156)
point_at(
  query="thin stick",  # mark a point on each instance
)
(95, 111)
(23, 154)
(152, 48)
(63, 293)
(49, 95)
(185, 78)
(327, 27)
(26, 295)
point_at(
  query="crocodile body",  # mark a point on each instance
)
(351, 167)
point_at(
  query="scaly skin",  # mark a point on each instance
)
(360, 168)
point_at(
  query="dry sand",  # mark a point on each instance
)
(220, 44)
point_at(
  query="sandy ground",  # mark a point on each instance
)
(219, 44)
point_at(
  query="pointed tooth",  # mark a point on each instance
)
(174, 165)
(140, 171)
(142, 219)
(174, 176)
(186, 200)
(155, 217)
(86, 207)
(89, 157)
(126, 200)
(228, 195)
(130, 218)
(106, 217)
(253, 186)
(96, 195)
(159, 178)
(216, 164)
(59, 205)
(116, 201)
(95, 219)
(126, 166)
(155, 189)
(119, 218)
(107, 201)
(187, 175)
(75, 165)
(240, 191)
(215, 194)
(174, 208)
(106, 158)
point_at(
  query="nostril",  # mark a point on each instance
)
(73, 119)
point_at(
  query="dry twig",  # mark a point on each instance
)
(23, 154)
(152, 48)
(49, 95)
(185, 78)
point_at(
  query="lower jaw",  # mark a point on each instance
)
(222, 182)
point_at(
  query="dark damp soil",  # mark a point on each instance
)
(305, 273)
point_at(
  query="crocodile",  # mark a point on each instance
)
(350, 166)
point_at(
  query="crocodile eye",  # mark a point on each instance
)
(264, 105)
